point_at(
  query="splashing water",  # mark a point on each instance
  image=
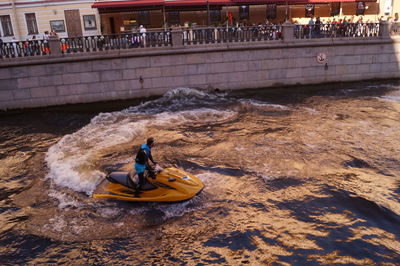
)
(292, 176)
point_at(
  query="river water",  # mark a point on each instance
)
(302, 175)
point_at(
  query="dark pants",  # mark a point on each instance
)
(141, 181)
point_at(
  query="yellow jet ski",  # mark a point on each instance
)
(168, 185)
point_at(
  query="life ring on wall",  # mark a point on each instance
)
(321, 58)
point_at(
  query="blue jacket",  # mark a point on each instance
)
(141, 167)
(144, 154)
(147, 148)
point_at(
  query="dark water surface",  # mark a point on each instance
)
(305, 176)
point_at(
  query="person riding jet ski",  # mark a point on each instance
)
(142, 162)
(167, 185)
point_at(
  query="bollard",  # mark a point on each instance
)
(177, 38)
(55, 45)
(288, 31)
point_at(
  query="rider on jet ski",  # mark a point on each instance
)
(142, 162)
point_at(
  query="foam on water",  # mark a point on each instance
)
(311, 110)
(72, 160)
(56, 225)
(64, 200)
(178, 99)
(260, 104)
(179, 209)
(109, 212)
(394, 98)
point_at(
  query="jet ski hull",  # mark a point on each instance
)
(170, 185)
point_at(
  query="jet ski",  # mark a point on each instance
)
(166, 185)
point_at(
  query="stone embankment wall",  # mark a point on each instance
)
(83, 78)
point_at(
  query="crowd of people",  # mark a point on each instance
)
(343, 27)
(27, 47)
(314, 28)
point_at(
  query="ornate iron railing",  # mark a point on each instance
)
(115, 42)
(24, 48)
(234, 34)
(190, 37)
(337, 30)
(395, 28)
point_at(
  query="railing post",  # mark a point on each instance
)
(384, 30)
(55, 45)
(177, 38)
(288, 31)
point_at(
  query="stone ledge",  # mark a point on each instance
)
(204, 48)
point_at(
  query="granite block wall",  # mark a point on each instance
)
(154, 71)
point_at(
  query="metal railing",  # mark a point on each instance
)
(395, 28)
(24, 48)
(233, 34)
(189, 37)
(115, 42)
(337, 30)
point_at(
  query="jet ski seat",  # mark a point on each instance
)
(124, 179)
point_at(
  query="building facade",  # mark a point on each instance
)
(124, 16)
(23, 19)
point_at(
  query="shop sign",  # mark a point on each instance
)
(271, 11)
(310, 10)
(360, 8)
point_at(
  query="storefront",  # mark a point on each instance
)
(126, 16)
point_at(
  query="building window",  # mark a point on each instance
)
(360, 9)
(31, 23)
(215, 15)
(243, 12)
(310, 10)
(173, 17)
(57, 25)
(271, 11)
(89, 22)
(144, 17)
(6, 25)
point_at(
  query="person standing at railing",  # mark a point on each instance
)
(345, 28)
(360, 27)
(15, 48)
(46, 48)
(135, 40)
(394, 22)
(2, 51)
(27, 48)
(100, 42)
(333, 28)
(35, 46)
(142, 31)
(317, 28)
(311, 27)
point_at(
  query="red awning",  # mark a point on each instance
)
(329, 1)
(332, 1)
(141, 3)
(196, 2)
(116, 4)
(261, 2)
(173, 3)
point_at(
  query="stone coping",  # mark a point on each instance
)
(195, 48)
